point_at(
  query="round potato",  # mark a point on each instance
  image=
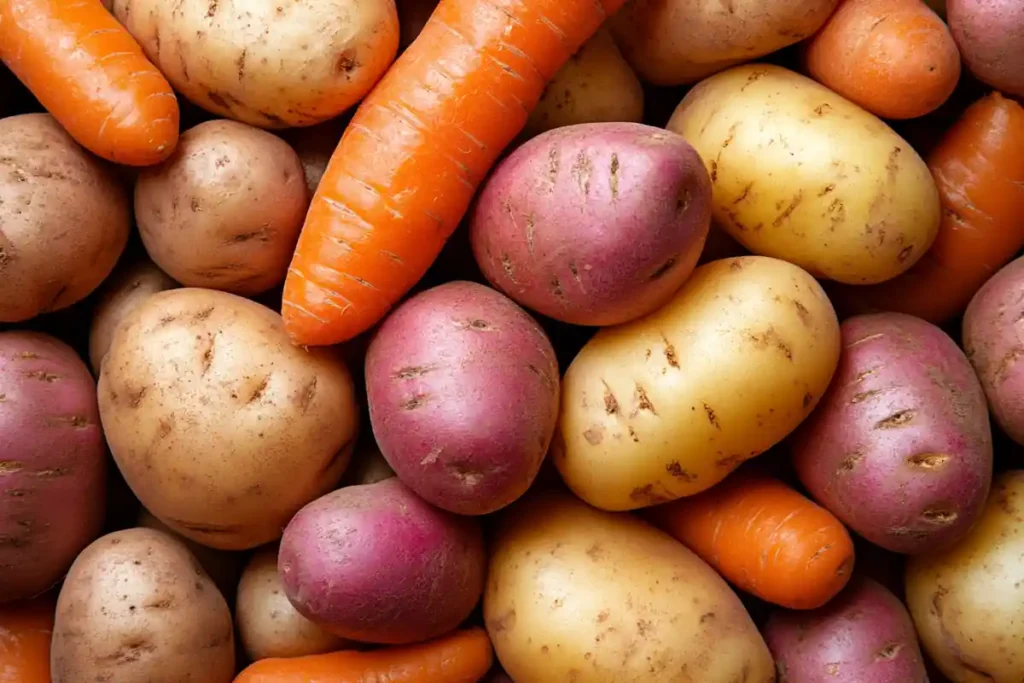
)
(801, 174)
(668, 405)
(968, 602)
(136, 606)
(576, 594)
(223, 428)
(225, 211)
(988, 33)
(268, 63)
(64, 218)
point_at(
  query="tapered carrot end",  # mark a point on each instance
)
(311, 315)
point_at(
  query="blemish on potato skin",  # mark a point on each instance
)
(414, 371)
(611, 404)
(807, 400)
(594, 435)
(790, 208)
(643, 402)
(712, 418)
(744, 194)
(135, 397)
(306, 396)
(613, 176)
(865, 395)
(647, 494)
(581, 171)
(676, 470)
(898, 419)
(928, 461)
(663, 268)
(850, 462)
(10, 466)
(505, 622)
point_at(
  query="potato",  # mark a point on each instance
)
(315, 145)
(268, 624)
(273, 65)
(64, 215)
(863, 636)
(53, 462)
(988, 33)
(129, 285)
(376, 563)
(576, 594)
(672, 42)
(900, 448)
(223, 428)
(594, 224)
(801, 174)
(968, 602)
(136, 606)
(463, 390)
(994, 343)
(668, 405)
(225, 211)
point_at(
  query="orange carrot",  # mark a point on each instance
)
(460, 657)
(765, 538)
(978, 167)
(26, 629)
(417, 148)
(92, 76)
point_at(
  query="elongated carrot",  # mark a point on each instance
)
(460, 657)
(25, 632)
(415, 152)
(92, 76)
(765, 538)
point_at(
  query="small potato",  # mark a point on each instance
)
(576, 594)
(223, 428)
(225, 211)
(968, 602)
(315, 145)
(668, 405)
(801, 174)
(268, 624)
(989, 35)
(64, 218)
(273, 65)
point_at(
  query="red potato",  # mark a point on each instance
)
(900, 447)
(52, 462)
(989, 35)
(864, 635)
(376, 563)
(463, 390)
(594, 224)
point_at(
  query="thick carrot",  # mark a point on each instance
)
(26, 629)
(765, 538)
(92, 76)
(978, 167)
(460, 657)
(415, 152)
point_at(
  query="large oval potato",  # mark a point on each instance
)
(801, 174)
(576, 594)
(968, 602)
(223, 428)
(668, 405)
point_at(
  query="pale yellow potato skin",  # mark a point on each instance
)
(968, 602)
(668, 405)
(577, 594)
(221, 427)
(801, 174)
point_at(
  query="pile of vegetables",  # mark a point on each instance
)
(444, 341)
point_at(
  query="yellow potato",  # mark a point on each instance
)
(801, 174)
(968, 602)
(576, 594)
(668, 405)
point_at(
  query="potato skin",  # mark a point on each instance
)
(225, 210)
(988, 33)
(463, 390)
(900, 448)
(863, 636)
(53, 462)
(801, 174)
(136, 606)
(576, 594)
(968, 602)
(668, 405)
(593, 224)
(65, 218)
(376, 563)
(223, 428)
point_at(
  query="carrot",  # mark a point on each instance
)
(460, 657)
(92, 76)
(765, 538)
(978, 167)
(25, 632)
(895, 58)
(410, 161)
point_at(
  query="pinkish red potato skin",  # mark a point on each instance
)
(864, 634)
(375, 563)
(988, 33)
(594, 224)
(900, 447)
(463, 389)
(52, 462)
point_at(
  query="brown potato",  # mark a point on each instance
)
(225, 211)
